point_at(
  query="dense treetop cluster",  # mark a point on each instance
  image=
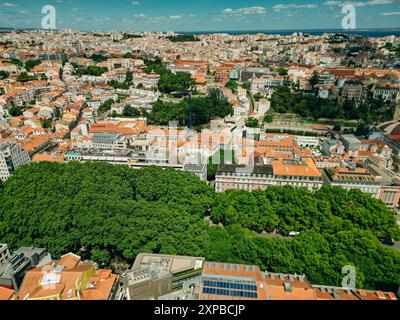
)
(311, 106)
(105, 212)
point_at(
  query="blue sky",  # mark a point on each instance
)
(200, 15)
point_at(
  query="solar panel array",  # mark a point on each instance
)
(230, 289)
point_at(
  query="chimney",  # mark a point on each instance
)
(287, 286)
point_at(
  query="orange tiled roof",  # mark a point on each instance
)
(34, 142)
(6, 294)
(123, 127)
(67, 278)
(300, 288)
(375, 295)
(306, 168)
(100, 286)
(47, 157)
(323, 293)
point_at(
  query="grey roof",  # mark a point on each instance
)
(194, 167)
(29, 251)
(106, 135)
(351, 138)
(232, 168)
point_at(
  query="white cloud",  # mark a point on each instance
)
(379, 2)
(394, 13)
(8, 5)
(280, 7)
(248, 10)
(333, 3)
(140, 15)
(175, 17)
(136, 3)
(358, 3)
(154, 19)
(25, 12)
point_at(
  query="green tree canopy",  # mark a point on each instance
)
(4, 74)
(202, 110)
(105, 212)
(30, 64)
(252, 123)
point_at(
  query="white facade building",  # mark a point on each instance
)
(11, 158)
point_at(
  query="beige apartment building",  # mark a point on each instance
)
(296, 173)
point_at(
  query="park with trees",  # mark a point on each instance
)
(4, 74)
(200, 110)
(284, 100)
(107, 213)
(169, 82)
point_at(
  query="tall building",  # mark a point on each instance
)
(14, 268)
(11, 158)
(4, 253)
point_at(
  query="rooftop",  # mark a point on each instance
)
(168, 263)
(6, 294)
(304, 167)
(232, 168)
(67, 278)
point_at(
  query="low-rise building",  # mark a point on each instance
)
(353, 178)
(108, 141)
(386, 93)
(281, 172)
(288, 287)
(229, 281)
(199, 170)
(7, 294)
(307, 141)
(353, 90)
(68, 279)
(155, 275)
(351, 143)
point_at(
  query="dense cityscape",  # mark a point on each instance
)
(215, 166)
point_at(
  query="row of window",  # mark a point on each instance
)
(230, 285)
(251, 186)
(234, 293)
(270, 177)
